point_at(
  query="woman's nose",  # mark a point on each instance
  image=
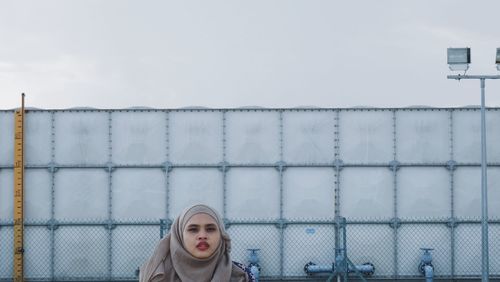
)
(202, 235)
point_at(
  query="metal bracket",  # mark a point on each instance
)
(110, 224)
(280, 166)
(53, 167)
(167, 167)
(282, 223)
(223, 166)
(395, 223)
(339, 164)
(394, 165)
(227, 223)
(52, 224)
(164, 226)
(451, 165)
(110, 167)
(452, 222)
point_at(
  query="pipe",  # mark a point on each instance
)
(425, 266)
(312, 268)
(253, 263)
(429, 273)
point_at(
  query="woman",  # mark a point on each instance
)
(195, 250)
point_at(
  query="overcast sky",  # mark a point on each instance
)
(220, 54)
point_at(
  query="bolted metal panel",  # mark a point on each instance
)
(37, 195)
(366, 136)
(308, 193)
(254, 194)
(428, 197)
(38, 138)
(82, 194)
(422, 136)
(358, 193)
(252, 137)
(138, 137)
(138, 194)
(81, 138)
(101, 181)
(6, 194)
(195, 185)
(308, 137)
(6, 138)
(467, 128)
(195, 137)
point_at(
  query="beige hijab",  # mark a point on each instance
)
(171, 262)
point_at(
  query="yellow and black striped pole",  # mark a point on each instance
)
(19, 194)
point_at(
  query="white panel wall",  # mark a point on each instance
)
(81, 194)
(138, 194)
(308, 193)
(254, 193)
(191, 186)
(6, 194)
(81, 137)
(366, 136)
(137, 188)
(467, 132)
(37, 197)
(139, 138)
(252, 137)
(468, 192)
(38, 126)
(308, 137)
(367, 187)
(6, 138)
(195, 137)
(424, 193)
(423, 136)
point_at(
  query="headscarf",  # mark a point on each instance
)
(171, 262)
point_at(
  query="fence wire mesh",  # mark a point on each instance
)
(100, 252)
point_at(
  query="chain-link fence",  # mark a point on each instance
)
(98, 251)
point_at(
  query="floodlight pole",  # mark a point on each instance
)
(484, 191)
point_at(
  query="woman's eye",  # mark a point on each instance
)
(192, 230)
(211, 229)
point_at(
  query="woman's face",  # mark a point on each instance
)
(201, 235)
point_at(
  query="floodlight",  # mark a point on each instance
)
(498, 59)
(458, 59)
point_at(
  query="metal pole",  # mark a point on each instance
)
(484, 193)
(484, 197)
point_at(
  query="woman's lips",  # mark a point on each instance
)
(202, 246)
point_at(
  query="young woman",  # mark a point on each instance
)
(195, 250)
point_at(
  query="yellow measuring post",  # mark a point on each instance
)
(19, 194)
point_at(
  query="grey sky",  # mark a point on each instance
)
(287, 53)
